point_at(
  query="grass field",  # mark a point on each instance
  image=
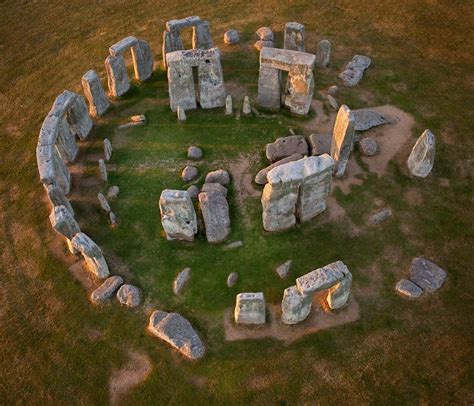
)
(59, 349)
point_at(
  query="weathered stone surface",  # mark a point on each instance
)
(107, 149)
(354, 70)
(368, 118)
(333, 102)
(215, 212)
(323, 54)
(193, 192)
(129, 295)
(339, 293)
(421, 159)
(181, 114)
(294, 37)
(102, 170)
(265, 34)
(202, 36)
(319, 144)
(178, 332)
(194, 153)
(381, 216)
(231, 37)
(295, 306)
(57, 197)
(269, 89)
(332, 90)
(263, 44)
(232, 279)
(218, 176)
(95, 94)
(246, 109)
(181, 280)
(342, 139)
(178, 216)
(322, 278)
(214, 188)
(104, 204)
(142, 60)
(177, 25)
(119, 48)
(261, 177)
(92, 254)
(286, 146)
(63, 222)
(427, 275)
(228, 105)
(78, 117)
(118, 81)
(407, 288)
(113, 192)
(105, 291)
(66, 141)
(235, 244)
(250, 308)
(368, 146)
(284, 269)
(189, 173)
(52, 169)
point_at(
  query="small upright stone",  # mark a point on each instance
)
(294, 37)
(333, 102)
(102, 170)
(265, 34)
(105, 291)
(228, 105)
(323, 53)
(427, 275)
(219, 176)
(250, 308)
(104, 203)
(407, 288)
(181, 280)
(421, 159)
(231, 37)
(189, 173)
(283, 269)
(194, 153)
(232, 279)
(368, 146)
(129, 295)
(263, 44)
(193, 192)
(181, 114)
(107, 149)
(113, 192)
(113, 219)
(246, 109)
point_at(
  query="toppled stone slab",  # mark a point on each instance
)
(294, 37)
(354, 70)
(407, 288)
(232, 279)
(105, 291)
(215, 212)
(189, 173)
(235, 244)
(265, 34)
(95, 94)
(322, 278)
(319, 144)
(261, 177)
(57, 197)
(323, 54)
(342, 139)
(286, 146)
(250, 308)
(380, 216)
(427, 275)
(194, 153)
(284, 269)
(129, 295)
(218, 176)
(181, 281)
(178, 332)
(92, 254)
(421, 159)
(231, 37)
(368, 118)
(295, 306)
(181, 113)
(178, 216)
(368, 146)
(333, 102)
(63, 222)
(104, 204)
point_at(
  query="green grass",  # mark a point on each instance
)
(398, 352)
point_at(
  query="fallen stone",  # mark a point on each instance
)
(323, 54)
(295, 306)
(107, 149)
(130, 124)
(214, 188)
(104, 204)
(193, 192)
(284, 269)
(178, 332)
(228, 105)
(139, 118)
(250, 308)
(427, 275)
(235, 244)
(231, 37)
(246, 109)
(181, 114)
(194, 153)
(368, 146)
(319, 144)
(102, 170)
(263, 44)
(105, 291)
(113, 192)
(129, 295)
(181, 280)
(407, 288)
(354, 70)
(232, 279)
(286, 146)
(421, 159)
(368, 118)
(215, 212)
(381, 216)
(332, 90)
(189, 173)
(218, 176)
(333, 102)
(261, 177)
(178, 216)
(265, 34)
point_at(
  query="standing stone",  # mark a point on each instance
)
(181, 280)
(57, 197)
(113, 219)
(421, 159)
(295, 306)
(250, 308)
(92, 254)
(283, 269)
(107, 149)
(261, 177)
(263, 44)
(231, 37)
(269, 88)
(339, 294)
(286, 146)
(407, 288)
(232, 279)
(63, 222)
(189, 173)
(178, 332)
(79, 120)
(228, 105)
(178, 216)
(142, 60)
(265, 34)
(129, 295)
(104, 204)
(333, 102)
(246, 109)
(218, 176)
(105, 291)
(294, 37)
(95, 94)
(427, 275)
(66, 141)
(194, 153)
(323, 54)
(102, 170)
(202, 36)
(181, 114)
(113, 192)
(118, 81)
(342, 139)
(193, 192)
(320, 143)
(354, 70)
(215, 212)
(332, 90)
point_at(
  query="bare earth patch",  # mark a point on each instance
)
(319, 319)
(132, 374)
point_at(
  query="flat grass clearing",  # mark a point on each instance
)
(60, 349)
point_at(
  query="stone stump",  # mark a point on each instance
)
(250, 308)
(178, 216)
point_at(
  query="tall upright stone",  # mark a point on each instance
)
(342, 139)
(294, 37)
(95, 94)
(295, 306)
(118, 81)
(63, 222)
(323, 54)
(178, 216)
(421, 159)
(107, 149)
(92, 254)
